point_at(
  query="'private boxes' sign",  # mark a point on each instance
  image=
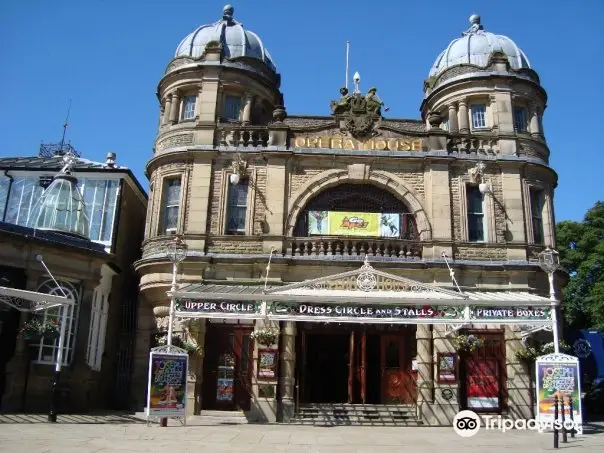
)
(510, 313)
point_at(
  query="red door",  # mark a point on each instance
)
(227, 368)
(398, 385)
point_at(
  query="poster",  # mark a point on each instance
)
(558, 375)
(267, 363)
(446, 367)
(224, 389)
(167, 386)
(369, 224)
(482, 384)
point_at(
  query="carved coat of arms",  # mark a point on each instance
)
(357, 114)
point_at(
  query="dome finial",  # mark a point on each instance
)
(475, 25)
(227, 13)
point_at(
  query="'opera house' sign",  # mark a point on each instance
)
(341, 142)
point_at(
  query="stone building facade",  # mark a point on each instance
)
(239, 180)
(92, 265)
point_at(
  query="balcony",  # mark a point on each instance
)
(242, 136)
(400, 249)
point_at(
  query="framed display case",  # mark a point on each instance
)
(447, 367)
(267, 364)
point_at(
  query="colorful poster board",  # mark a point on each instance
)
(558, 375)
(368, 224)
(447, 369)
(167, 385)
(224, 389)
(267, 363)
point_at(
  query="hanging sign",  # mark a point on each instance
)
(218, 307)
(368, 224)
(167, 385)
(558, 376)
(504, 314)
(288, 310)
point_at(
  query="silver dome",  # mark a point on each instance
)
(476, 46)
(235, 40)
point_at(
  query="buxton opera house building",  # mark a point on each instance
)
(348, 267)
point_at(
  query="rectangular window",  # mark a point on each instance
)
(96, 332)
(237, 207)
(476, 217)
(4, 188)
(232, 107)
(188, 107)
(537, 204)
(24, 193)
(479, 116)
(100, 199)
(171, 204)
(520, 119)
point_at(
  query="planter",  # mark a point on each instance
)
(265, 337)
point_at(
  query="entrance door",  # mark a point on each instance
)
(398, 386)
(483, 373)
(227, 368)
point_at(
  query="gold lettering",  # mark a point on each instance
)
(323, 142)
(300, 142)
(348, 144)
(336, 142)
(368, 144)
(392, 144)
(417, 145)
(405, 145)
(380, 144)
(312, 142)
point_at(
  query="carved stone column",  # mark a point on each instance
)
(464, 128)
(534, 125)
(167, 109)
(175, 108)
(288, 361)
(453, 124)
(247, 109)
(198, 101)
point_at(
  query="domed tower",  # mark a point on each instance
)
(483, 85)
(220, 73)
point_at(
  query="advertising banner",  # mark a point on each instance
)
(558, 375)
(369, 224)
(167, 386)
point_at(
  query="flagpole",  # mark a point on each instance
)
(347, 52)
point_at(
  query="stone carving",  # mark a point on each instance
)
(357, 114)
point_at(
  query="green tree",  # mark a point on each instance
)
(581, 247)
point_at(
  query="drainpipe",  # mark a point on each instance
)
(10, 185)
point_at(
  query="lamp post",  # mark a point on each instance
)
(549, 260)
(176, 253)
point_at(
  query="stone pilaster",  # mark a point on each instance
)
(287, 379)
(511, 182)
(438, 205)
(425, 379)
(167, 110)
(453, 123)
(520, 379)
(534, 123)
(247, 109)
(275, 202)
(197, 332)
(264, 396)
(175, 108)
(464, 127)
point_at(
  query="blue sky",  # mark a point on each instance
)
(108, 56)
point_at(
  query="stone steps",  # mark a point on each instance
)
(356, 414)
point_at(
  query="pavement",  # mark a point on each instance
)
(123, 433)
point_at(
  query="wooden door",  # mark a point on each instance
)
(228, 368)
(398, 385)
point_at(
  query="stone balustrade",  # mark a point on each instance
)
(486, 145)
(243, 136)
(357, 246)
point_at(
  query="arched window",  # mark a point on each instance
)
(46, 349)
(359, 198)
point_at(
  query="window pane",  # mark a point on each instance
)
(479, 117)
(232, 107)
(237, 207)
(24, 193)
(171, 203)
(474, 200)
(173, 191)
(4, 185)
(475, 227)
(189, 107)
(520, 119)
(537, 203)
(171, 214)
